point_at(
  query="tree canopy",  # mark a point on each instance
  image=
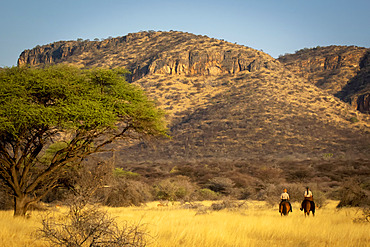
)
(84, 108)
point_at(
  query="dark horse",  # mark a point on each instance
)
(307, 207)
(284, 208)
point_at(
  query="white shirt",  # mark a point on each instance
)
(284, 196)
(309, 194)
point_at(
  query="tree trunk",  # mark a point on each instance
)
(21, 204)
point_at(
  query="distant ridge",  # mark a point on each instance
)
(343, 71)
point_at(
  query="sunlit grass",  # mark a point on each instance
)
(18, 231)
(253, 225)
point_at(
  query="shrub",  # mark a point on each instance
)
(296, 192)
(353, 120)
(319, 198)
(207, 194)
(119, 172)
(246, 193)
(365, 217)
(271, 194)
(227, 204)
(351, 194)
(269, 174)
(89, 226)
(172, 189)
(124, 192)
(221, 185)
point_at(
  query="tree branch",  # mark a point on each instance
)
(112, 139)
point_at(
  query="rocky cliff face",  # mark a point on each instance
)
(341, 70)
(169, 53)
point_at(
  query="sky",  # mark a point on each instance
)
(276, 27)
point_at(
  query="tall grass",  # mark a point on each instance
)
(254, 225)
(18, 231)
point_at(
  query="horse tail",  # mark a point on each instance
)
(285, 208)
(307, 207)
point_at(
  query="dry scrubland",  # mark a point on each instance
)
(253, 225)
(218, 123)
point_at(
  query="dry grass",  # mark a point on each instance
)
(18, 232)
(253, 225)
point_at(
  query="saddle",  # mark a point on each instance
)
(308, 199)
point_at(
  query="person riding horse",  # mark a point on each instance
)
(308, 196)
(285, 198)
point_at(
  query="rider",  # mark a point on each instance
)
(308, 197)
(285, 197)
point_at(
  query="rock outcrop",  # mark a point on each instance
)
(169, 53)
(343, 71)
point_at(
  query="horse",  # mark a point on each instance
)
(284, 208)
(306, 205)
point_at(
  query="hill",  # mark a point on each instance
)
(343, 71)
(169, 53)
(234, 111)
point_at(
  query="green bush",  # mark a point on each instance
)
(119, 172)
(207, 194)
(353, 120)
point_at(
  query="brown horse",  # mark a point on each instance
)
(284, 208)
(306, 205)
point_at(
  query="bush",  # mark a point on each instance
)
(269, 174)
(246, 193)
(227, 204)
(175, 189)
(221, 185)
(124, 192)
(353, 120)
(271, 194)
(365, 217)
(207, 194)
(89, 226)
(351, 194)
(119, 172)
(319, 198)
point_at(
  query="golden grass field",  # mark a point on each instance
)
(253, 225)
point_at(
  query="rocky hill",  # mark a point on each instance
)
(230, 102)
(168, 53)
(343, 71)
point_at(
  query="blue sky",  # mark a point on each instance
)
(274, 26)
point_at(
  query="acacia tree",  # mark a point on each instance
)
(82, 110)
